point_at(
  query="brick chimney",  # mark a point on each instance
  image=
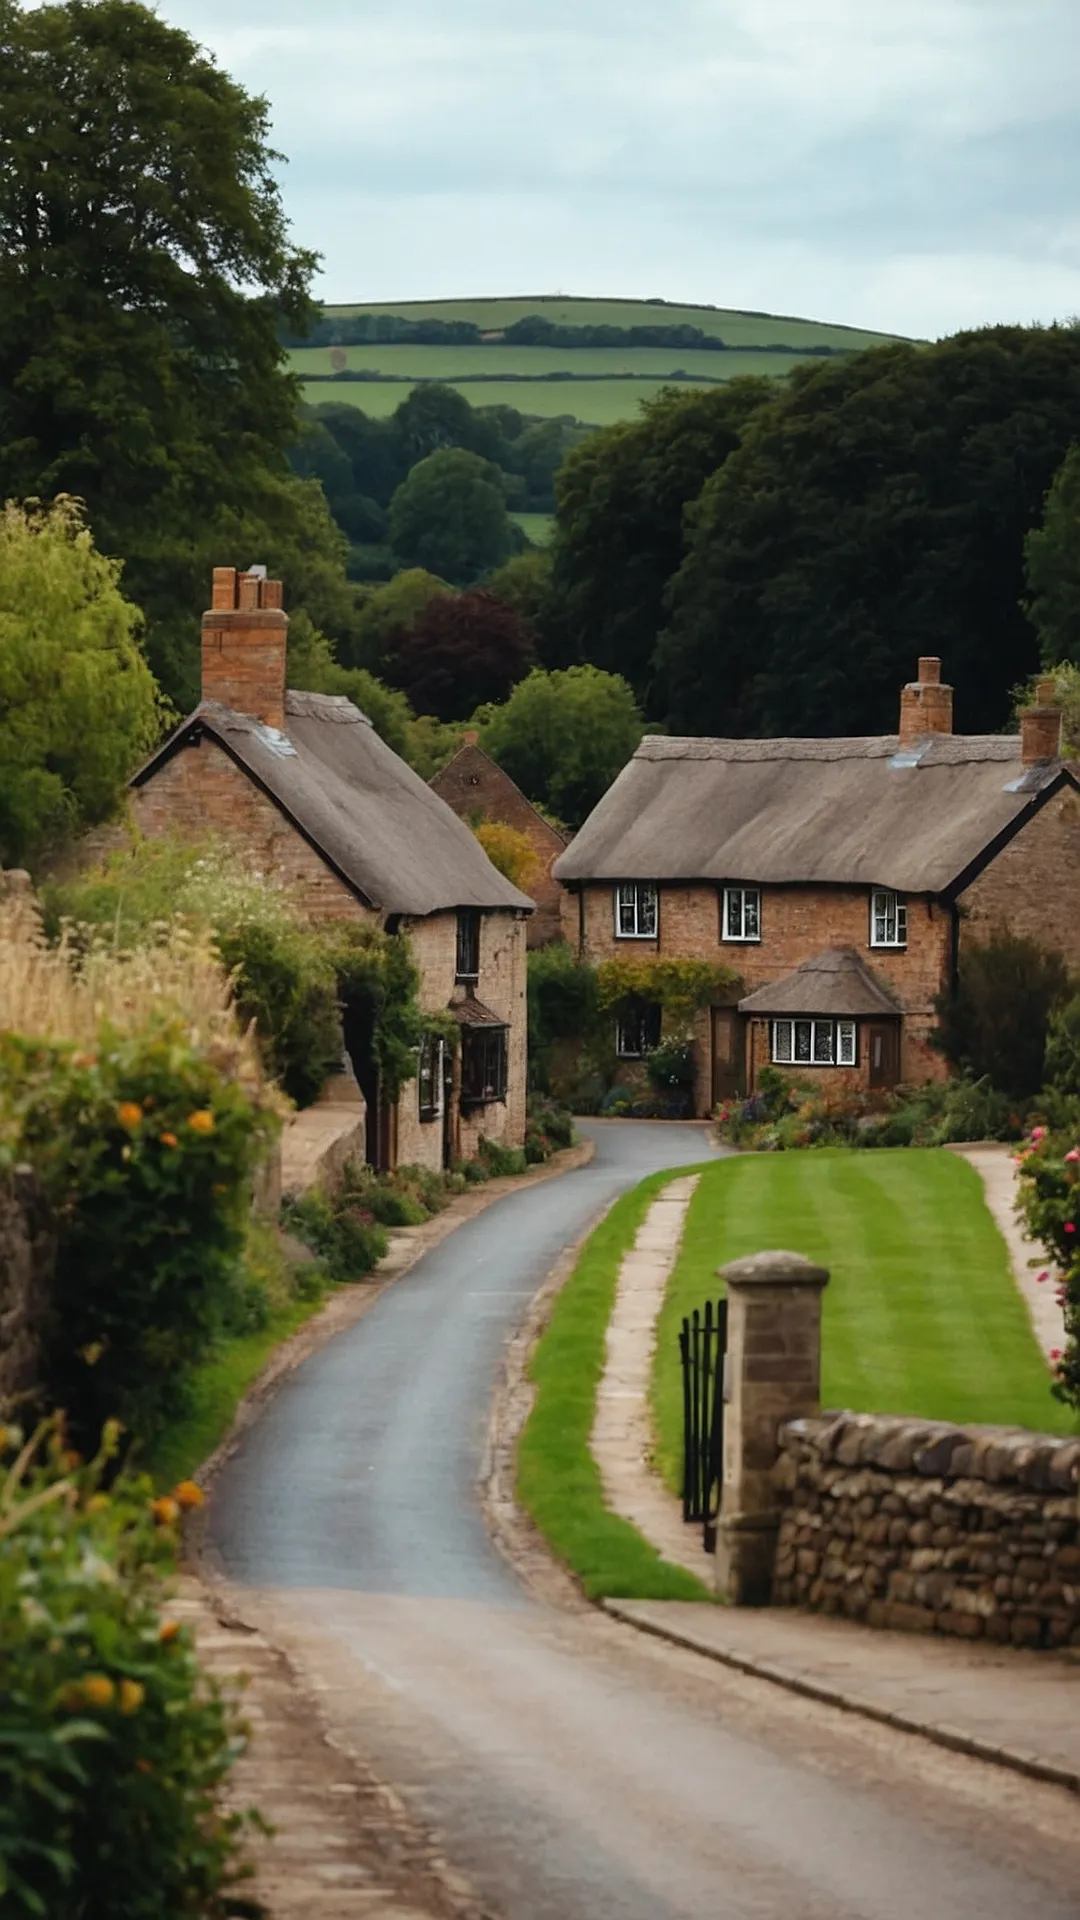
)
(925, 705)
(1040, 727)
(243, 645)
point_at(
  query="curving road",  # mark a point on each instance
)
(576, 1771)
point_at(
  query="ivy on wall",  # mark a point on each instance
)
(679, 987)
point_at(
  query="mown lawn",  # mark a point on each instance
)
(922, 1315)
(558, 1481)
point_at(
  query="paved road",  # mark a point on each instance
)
(575, 1771)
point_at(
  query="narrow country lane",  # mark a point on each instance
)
(574, 1770)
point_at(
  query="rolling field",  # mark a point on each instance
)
(633, 374)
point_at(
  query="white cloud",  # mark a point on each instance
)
(906, 164)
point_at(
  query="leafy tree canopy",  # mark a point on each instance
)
(564, 735)
(523, 582)
(510, 851)
(388, 612)
(1052, 558)
(876, 510)
(144, 265)
(620, 499)
(78, 703)
(463, 650)
(450, 517)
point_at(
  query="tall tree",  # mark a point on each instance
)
(877, 510)
(462, 651)
(145, 264)
(620, 499)
(1052, 558)
(563, 736)
(450, 517)
(78, 703)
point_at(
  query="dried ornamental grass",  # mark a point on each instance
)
(83, 983)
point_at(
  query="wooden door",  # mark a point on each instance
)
(727, 1055)
(883, 1052)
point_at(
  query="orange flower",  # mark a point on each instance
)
(165, 1510)
(201, 1121)
(188, 1494)
(128, 1114)
(169, 1140)
(168, 1631)
(98, 1690)
(132, 1695)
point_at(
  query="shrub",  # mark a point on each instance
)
(346, 1235)
(284, 980)
(145, 1150)
(669, 1067)
(1063, 1048)
(501, 1160)
(995, 1023)
(113, 1745)
(1049, 1204)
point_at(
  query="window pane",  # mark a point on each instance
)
(901, 924)
(751, 914)
(823, 1042)
(624, 909)
(647, 910)
(802, 1039)
(846, 1046)
(731, 914)
(781, 1040)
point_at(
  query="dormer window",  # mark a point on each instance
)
(636, 913)
(741, 914)
(888, 918)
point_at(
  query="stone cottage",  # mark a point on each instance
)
(303, 783)
(836, 878)
(478, 790)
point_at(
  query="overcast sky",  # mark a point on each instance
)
(909, 165)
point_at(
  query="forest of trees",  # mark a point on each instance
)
(751, 558)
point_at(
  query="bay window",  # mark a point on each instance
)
(814, 1043)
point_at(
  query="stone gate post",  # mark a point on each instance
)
(772, 1373)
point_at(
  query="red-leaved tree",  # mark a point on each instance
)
(463, 650)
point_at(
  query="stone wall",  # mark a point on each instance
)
(971, 1531)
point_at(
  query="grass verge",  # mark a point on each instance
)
(922, 1315)
(558, 1481)
(217, 1388)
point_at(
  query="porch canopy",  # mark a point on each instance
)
(837, 982)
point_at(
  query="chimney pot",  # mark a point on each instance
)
(926, 705)
(1040, 727)
(471, 738)
(244, 637)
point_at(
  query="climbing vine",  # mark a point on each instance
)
(678, 987)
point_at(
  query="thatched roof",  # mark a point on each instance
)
(855, 812)
(373, 819)
(837, 981)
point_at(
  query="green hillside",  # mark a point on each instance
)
(596, 381)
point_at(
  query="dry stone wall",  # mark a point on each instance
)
(919, 1525)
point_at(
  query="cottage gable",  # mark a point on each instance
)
(478, 789)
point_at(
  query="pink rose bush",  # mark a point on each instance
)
(1049, 1206)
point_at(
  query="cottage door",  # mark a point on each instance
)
(727, 1055)
(883, 1050)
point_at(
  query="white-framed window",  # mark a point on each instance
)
(888, 918)
(430, 1076)
(636, 912)
(637, 1030)
(814, 1043)
(741, 914)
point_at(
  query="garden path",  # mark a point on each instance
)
(997, 1169)
(621, 1439)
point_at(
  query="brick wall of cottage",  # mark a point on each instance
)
(477, 789)
(501, 987)
(1033, 885)
(797, 922)
(201, 790)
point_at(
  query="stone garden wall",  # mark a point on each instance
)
(919, 1525)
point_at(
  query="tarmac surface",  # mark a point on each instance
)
(571, 1768)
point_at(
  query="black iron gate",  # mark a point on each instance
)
(702, 1345)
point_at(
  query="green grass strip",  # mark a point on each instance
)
(217, 1388)
(922, 1315)
(558, 1481)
